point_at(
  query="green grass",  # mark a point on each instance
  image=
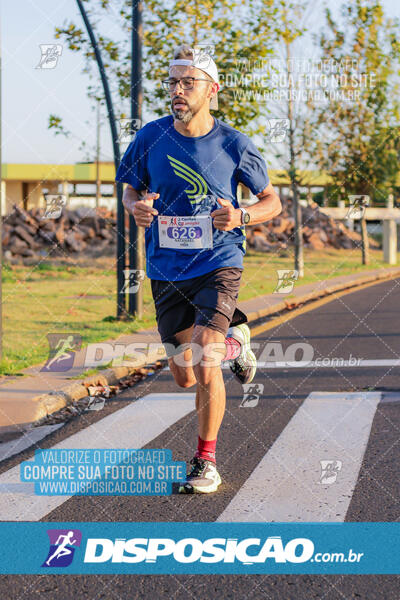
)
(93, 371)
(41, 301)
(260, 274)
(55, 298)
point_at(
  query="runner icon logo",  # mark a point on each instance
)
(50, 54)
(251, 394)
(128, 129)
(329, 471)
(205, 204)
(54, 205)
(62, 351)
(358, 205)
(278, 129)
(96, 403)
(286, 280)
(202, 54)
(133, 279)
(63, 543)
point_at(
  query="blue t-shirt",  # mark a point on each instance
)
(190, 173)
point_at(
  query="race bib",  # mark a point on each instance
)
(185, 233)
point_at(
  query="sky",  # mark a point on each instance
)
(30, 94)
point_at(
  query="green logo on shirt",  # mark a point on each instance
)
(199, 187)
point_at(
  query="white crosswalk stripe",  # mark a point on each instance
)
(308, 474)
(286, 485)
(131, 427)
(30, 437)
(331, 363)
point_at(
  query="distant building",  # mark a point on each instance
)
(27, 184)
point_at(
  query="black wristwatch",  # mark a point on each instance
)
(245, 219)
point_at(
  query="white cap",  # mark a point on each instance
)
(205, 63)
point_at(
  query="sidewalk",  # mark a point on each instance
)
(26, 400)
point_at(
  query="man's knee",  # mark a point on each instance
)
(212, 349)
(184, 380)
(205, 374)
(184, 377)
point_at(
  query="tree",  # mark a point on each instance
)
(359, 141)
(290, 152)
(236, 31)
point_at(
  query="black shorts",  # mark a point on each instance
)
(208, 300)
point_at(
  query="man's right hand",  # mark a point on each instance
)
(142, 210)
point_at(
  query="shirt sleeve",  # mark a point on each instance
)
(252, 170)
(132, 168)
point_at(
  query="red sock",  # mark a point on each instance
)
(206, 449)
(232, 348)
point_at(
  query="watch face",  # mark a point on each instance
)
(246, 218)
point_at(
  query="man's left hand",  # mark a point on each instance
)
(228, 217)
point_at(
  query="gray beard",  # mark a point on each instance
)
(183, 115)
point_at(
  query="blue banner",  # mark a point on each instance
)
(199, 548)
(102, 472)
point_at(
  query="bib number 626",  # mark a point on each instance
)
(184, 233)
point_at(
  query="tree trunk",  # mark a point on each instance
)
(298, 240)
(364, 241)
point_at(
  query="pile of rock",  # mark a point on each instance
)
(319, 231)
(27, 234)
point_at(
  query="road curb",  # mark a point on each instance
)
(46, 404)
(295, 302)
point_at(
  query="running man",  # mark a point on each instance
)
(64, 348)
(182, 172)
(62, 549)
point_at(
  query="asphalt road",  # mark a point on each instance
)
(362, 325)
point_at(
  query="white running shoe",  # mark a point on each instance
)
(244, 367)
(202, 479)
